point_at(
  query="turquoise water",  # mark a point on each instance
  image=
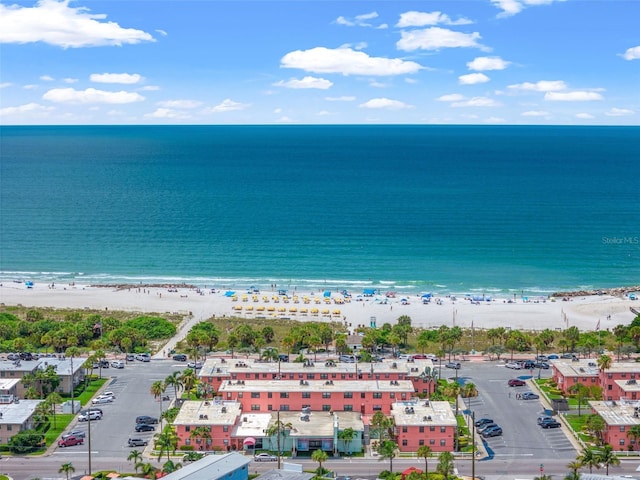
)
(414, 208)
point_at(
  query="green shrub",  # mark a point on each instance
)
(186, 448)
(154, 328)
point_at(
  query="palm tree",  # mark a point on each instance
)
(589, 459)
(634, 434)
(425, 452)
(445, 465)
(580, 391)
(67, 468)
(170, 467)
(135, 456)
(347, 435)
(388, 449)
(157, 389)
(174, 381)
(72, 352)
(149, 470)
(604, 363)
(319, 456)
(607, 457)
(189, 380)
(54, 399)
(201, 433)
(166, 442)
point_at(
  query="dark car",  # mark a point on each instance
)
(26, 356)
(551, 424)
(487, 427)
(283, 357)
(137, 442)
(70, 441)
(544, 418)
(516, 382)
(146, 420)
(180, 357)
(530, 396)
(492, 432)
(483, 421)
(143, 427)
(528, 364)
(454, 365)
(542, 365)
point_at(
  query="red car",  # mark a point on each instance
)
(70, 441)
(516, 382)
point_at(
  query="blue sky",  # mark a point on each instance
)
(562, 62)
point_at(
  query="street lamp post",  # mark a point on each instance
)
(473, 446)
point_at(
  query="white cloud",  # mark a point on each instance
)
(116, 113)
(70, 80)
(619, 112)
(535, 113)
(55, 23)
(452, 97)
(513, 7)
(421, 19)
(577, 96)
(541, 86)
(410, 80)
(27, 108)
(6, 84)
(47, 78)
(162, 32)
(306, 82)
(340, 99)
(473, 78)
(30, 87)
(435, 38)
(324, 113)
(168, 113)
(347, 62)
(149, 88)
(90, 95)
(477, 102)
(227, 105)
(632, 53)
(584, 116)
(179, 104)
(487, 63)
(360, 21)
(124, 78)
(386, 103)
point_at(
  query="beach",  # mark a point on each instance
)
(539, 313)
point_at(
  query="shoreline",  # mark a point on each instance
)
(538, 313)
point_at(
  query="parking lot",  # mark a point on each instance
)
(522, 437)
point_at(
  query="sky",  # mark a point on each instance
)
(512, 62)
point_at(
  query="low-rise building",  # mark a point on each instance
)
(619, 417)
(423, 422)
(207, 425)
(16, 417)
(566, 373)
(8, 390)
(230, 466)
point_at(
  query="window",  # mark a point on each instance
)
(255, 407)
(187, 428)
(421, 442)
(326, 408)
(225, 428)
(363, 395)
(377, 394)
(187, 441)
(609, 387)
(622, 428)
(284, 394)
(443, 443)
(270, 407)
(622, 441)
(255, 394)
(432, 442)
(284, 408)
(404, 429)
(443, 429)
(404, 442)
(342, 376)
(306, 394)
(311, 376)
(432, 429)
(392, 395)
(240, 394)
(348, 408)
(269, 395)
(324, 376)
(404, 396)
(377, 408)
(348, 394)
(421, 429)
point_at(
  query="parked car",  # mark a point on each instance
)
(486, 427)
(553, 356)
(92, 409)
(102, 399)
(549, 423)
(483, 421)
(117, 364)
(75, 433)
(130, 357)
(544, 417)
(516, 382)
(542, 358)
(195, 365)
(180, 357)
(283, 357)
(143, 357)
(528, 364)
(530, 396)
(513, 365)
(265, 457)
(137, 442)
(492, 432)
(146, 419)
(144, 427)
(543, 365)
(90, 415)
(70, 441)
(454, 365)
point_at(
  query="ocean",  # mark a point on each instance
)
(443, 209)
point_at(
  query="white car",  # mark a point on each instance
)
(84, 417)
(513, 365)
(102, 399)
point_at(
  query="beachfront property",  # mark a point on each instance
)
(617, 382)
(70, 371)
(231, 466)
(619, 416)
(316, 401)
(16, 417)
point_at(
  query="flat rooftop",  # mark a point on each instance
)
(400, 386)
(423, 412)
(618, 412)
(208, 412)
(8, 383)
(581, 368)
(17, 413)
(319, 424)
(628, 386)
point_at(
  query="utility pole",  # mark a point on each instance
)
(89, 436)
(278, 425)
(473, 446)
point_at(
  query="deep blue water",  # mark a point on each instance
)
(415, 208)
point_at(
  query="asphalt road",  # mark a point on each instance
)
(517, 454)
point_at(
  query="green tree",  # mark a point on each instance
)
(588, 458)
(595, 424)
(388, 449)
(607, 457)
(201, 433)
(424, 451)
(166, 442)
(174, 381)
(157, 389)
(67, 468)
(189, 380)
(347, 435)
(169, 466)
(135, 456)
(634, 434)
(574, 467)
(54, 399)
(319, 456)
(445, 464)
(581, 392)
(25, 441)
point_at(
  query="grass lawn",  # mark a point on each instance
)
(62, 421)
(577, 423)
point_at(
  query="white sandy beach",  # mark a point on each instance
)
(583, 312)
